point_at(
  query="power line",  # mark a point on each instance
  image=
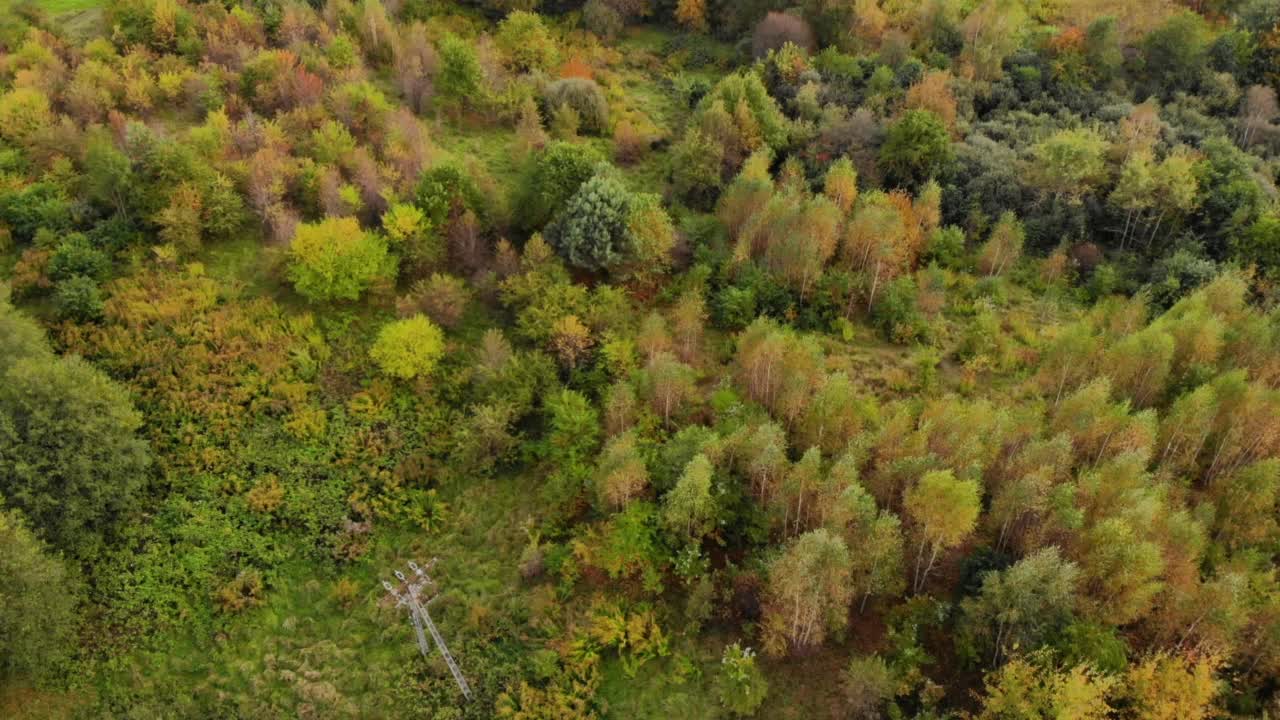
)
(411, 598)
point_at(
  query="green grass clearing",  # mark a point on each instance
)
(57, 7)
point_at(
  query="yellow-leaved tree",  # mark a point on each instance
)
(335, 260)
(408, 348)
(944, 510)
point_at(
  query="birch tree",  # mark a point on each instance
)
(808, 592)
(944, 511)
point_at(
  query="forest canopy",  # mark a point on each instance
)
(719, 358)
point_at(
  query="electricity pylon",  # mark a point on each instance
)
(418, 615)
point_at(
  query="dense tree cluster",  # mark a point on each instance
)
(849, 358)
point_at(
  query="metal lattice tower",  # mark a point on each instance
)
(418, 615)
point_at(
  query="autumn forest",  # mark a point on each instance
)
(780, 359)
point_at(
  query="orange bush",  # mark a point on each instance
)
(577, 68)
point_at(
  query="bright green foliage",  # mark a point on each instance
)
(410, 233)
(688, 509)
(1176, 188)
(740, 684)
(408, 348)
(1135, 188)
(525, 41)
(627, 547)
(1070, 162)
(459, 81)
(945, 246)
(1261, 243)
(574, 426)
(332, 143)
(341, 51)
(541, 295)
(37, 603)
(69, 451)
(335, 260)
(180, 221)
(916, 148)
(679, 451)
(593, 231)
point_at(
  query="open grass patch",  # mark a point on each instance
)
(57, 7)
